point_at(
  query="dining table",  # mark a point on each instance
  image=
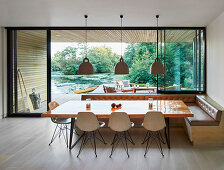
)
(135, 109)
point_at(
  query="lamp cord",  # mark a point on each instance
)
(86, 16)
(157, 53)
(121, 16)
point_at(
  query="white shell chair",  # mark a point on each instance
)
(89, 124)
(153, 122)
(120, 123)
(61, 123)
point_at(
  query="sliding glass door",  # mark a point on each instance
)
(183, 55)
(28, 71)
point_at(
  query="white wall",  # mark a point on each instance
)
(215, 59)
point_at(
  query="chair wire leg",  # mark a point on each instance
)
(64, 138)
(114, 144)
(52, 139)
(76, 131)
(148, 144)
(60, 130)
(161, 138)
(90, 138)
(145, 137)
(131, 140)
(125, 137)
(81, 146)
(159, 145)
(101, 137)
(146, 148)
(94, 139)
(114, 139)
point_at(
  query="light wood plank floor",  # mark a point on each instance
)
(24, 145)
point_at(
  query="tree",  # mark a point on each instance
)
(102, 59)
(66, 61)
(141, 55)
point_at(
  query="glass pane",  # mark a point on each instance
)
(30, 71)
(104, 52)
(184, 58)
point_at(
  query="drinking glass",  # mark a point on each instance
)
(88, 103)
(150, 101)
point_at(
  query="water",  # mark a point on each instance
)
(66, 84)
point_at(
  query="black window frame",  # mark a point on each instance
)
(10, 55)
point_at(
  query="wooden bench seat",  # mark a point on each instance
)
(201, 118)
(207, 125)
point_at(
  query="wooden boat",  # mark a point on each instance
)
(85, 90)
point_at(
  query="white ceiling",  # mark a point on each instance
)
(106, 12)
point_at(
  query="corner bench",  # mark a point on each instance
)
(206, 127)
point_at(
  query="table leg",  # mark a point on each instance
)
(71, 132)
(167, 131)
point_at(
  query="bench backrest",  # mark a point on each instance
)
(207, 107)
(187, 98)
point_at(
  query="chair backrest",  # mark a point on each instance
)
(104, 89)
(109, 89)
(119, 121)
(154, 121)
(87, 121)
(126, 83)
(52, 105)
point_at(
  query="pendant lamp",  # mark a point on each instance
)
(121, 67)
(157, 66)
(85, 67)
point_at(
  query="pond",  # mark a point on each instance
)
(66, 84)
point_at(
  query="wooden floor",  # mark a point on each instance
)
(24, 145)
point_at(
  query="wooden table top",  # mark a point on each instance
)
(135, 108)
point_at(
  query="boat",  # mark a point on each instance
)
(86, 90)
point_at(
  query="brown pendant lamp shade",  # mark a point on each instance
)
(85, 67)
(157, 66)
(121, 67)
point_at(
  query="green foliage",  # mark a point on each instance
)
(102, 59)
(139, 57)
(178, 63)
(66, 61)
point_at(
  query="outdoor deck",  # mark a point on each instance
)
(63, 98)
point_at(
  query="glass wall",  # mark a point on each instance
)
(104, 52)
(32, 81)
(28, 75)
(183, 59)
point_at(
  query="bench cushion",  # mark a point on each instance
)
(200, 118)
(206, 106)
